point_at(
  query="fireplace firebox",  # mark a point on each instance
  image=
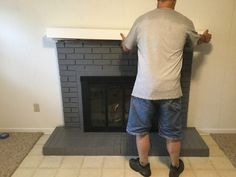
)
(106, 102)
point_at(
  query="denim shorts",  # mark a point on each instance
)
(167, 112)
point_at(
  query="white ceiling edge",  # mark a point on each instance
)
(85, 33)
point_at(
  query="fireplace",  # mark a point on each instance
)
(106, 102)
(82, 62)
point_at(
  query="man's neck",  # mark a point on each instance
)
(166, 5)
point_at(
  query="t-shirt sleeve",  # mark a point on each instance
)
(131, 39)
(193, 34)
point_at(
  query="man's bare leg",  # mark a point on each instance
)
(143, 146)
(173, 147)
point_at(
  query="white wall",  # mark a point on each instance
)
(29, 69)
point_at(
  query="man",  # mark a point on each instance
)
(160, 36)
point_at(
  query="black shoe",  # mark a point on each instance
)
(174, 171)
(136, 166)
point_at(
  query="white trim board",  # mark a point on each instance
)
(85, 33)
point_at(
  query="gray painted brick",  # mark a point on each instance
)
(116, 50)
(111, 56)
(72, 78)
(67, 73)
(84, 62)
(74, 100)
(71, 115)
(92, 43)
(73, 89)
(69, 95)
(65, 90)
(128, 68)
(60, 44)
(68, 84)
(83, 50)
(110, 43)
(65, 50)
(93, 68)
(75, 68)
(75, 110)
(101, 50)
(129, 56)
(75, 56)
(66, 62)
(120, 62)
(102, 62)
(133, 62)
(61, 56)
(71, 105)
(75, 120)
(64, 78)
(63, 67)
(67, 110)
(72, 68)
(66, 100)
(93, 56)
(73, 43)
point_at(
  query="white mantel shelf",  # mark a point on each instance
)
(85, 33)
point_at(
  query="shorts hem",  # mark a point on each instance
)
(171, 138)
(139, 133)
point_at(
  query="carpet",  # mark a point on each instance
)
(227, 143)
(14, 149)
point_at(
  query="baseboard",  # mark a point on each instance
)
(208, 131)
(44, 130)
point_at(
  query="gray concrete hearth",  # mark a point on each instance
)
(71, 141)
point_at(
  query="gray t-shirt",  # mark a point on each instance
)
(160, 36)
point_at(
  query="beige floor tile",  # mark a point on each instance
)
(227, 173)
(24, 172)
(67, 173)
(37, 150)
(131, 173)
(51, 162)
(127, 158)
(72, 162)
(45, 173)
(221, 163)
(113, 172)
(206, 173)
(160, 172)
(159, 162)
(187, 164)
(200, 163)
(209, 140)
(114, 162)
(31, 162)
(43, 139)
(187, 173)
(215, 151)
(93, 162)
(90, 173)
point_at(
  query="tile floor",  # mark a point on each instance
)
(37, 165)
